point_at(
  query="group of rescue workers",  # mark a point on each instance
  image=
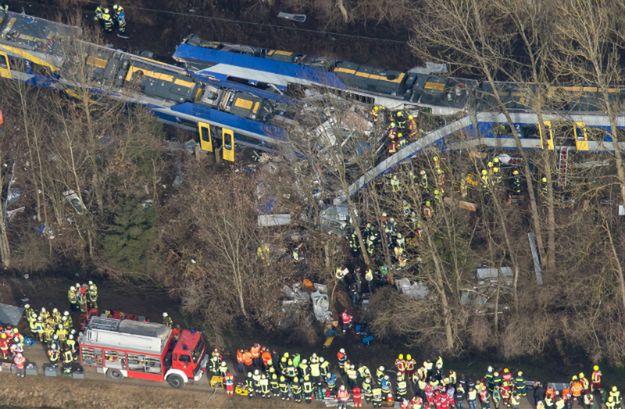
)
(401, 127)
(293, 377)
(110, 20)
(12, 347)
(83, 297)
(55, 331)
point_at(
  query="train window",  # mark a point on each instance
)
(4, 61)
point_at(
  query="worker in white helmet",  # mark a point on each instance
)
(167, 320)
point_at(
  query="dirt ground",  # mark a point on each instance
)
(42, 392)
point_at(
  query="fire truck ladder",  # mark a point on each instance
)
(563, 165)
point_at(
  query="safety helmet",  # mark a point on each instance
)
(306, 378)
(249, 374)
(496, 373)
(392, 220)
(581, 375)
(43, 309)
(282, 378)
(342, 350)
(106, 11)
(484, 172)
(274, 376)
(544, 179)
(3, 336)
(286, 354)
(399, 236)
(55, 310)
(400, 113)
(290, 362)
(515, 172)
(66, 313)
(506, 370)
(392, 125)
(296, 379)
(322, 359)
(574, 378)
(614, 388)
(256, 371)
(376, 108)
(496, 169)
(223, 363)
(77, 285)
(422, 172)
(490, 164)
(91, 282)
(381, 369)
(435, 158)
(40, 318)
(595, 368)
(71, 336)
(437, 192)
(490, 369)
(55, 337)
(314, 355)
(428, 203)
(116, 7)
(386, 377)
(26, 306)
(165, 314)
(520, 373)
(409, 357)
(496, 160)
(410, 117)
(304, 361)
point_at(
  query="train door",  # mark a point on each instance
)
(581, 136)
(206, 140)
(546, 139)
(5, 68)
(227, 144)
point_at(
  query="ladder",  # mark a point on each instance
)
(563, 165)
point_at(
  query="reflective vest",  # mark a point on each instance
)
(274, 384)
(324, 367)
(247, 358)
(296, 389)
(616, 396)
(576, 389)
(264, 385)
(356, 394)
(68, 357)
(400, 364)
(315, 369)
(472, 394)
(19, 361)
(239, 356)
(304, 370)
(596, 377)
(266, 357)
(410, 364)
(377, 394)
(72, 297)
(53, 354)
(343, 395)
(308, 387)
(255, 351)
(284, 387)
(402, 387)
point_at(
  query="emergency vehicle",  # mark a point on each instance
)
(123, 348)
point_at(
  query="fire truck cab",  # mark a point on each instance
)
(125, 348)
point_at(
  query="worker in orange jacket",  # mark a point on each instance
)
(248, 360)
(255, 351)
(266, 358)
(576, 388)
(240, 364)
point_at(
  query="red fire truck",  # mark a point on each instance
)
(145, 350)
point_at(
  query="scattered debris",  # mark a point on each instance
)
(418, 291)
(298, 18)
(271, 220)
(74, 200)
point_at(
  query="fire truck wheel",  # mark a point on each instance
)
(115, 374)
(175, 381)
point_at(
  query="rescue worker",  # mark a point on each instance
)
(92, 295)
(256, 378)
(341, 356)
(615, 395)
(264, 386)
(413, 131)
(595, 379)
(229, 385)
(71, 343)
(377, 397)
(516, 182)
(296, 390)
(72, 297)
(610, 404)
(315, 369)
(107, 20)
(248, 361)
(120, 17)
(576, 389)
(584, 381)
(375, 114)
(589, 400)
(249, 384)
(20, 362)
(423, 182)
(304, 369)
(284, 388)
(330, 383)
(61, 333)
(68, 358)
(401, 120)
(53, 355)
(291, 371)
(367, 389)
(485, 178)
(352, 375)
(400, 365)
(324, 367)
(402, 387)
(357, 397)
(380, 372)
(275, 386)
(223, 369)
(363, 372)
(307, 386)
(48, 333)
(519, 384)
(98, 13)
(544, 185)
(395, 183)
(167, 320)
(410, 365)
(342, 397)
(4, 346)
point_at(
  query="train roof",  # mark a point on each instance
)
(34, 33)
